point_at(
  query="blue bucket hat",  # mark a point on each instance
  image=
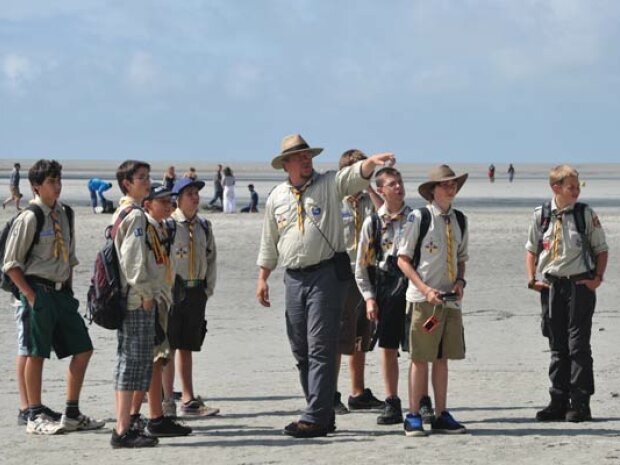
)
(184, 183)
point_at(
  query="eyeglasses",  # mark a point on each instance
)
(146, 177)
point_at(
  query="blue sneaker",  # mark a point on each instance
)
(413, 425)
(446, 424)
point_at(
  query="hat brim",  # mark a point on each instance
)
(276, 163)
(197, 184)
(426, 188)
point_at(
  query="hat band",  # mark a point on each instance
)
(294, 148)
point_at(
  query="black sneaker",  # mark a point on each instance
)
(56, 416)
(166, 427)
(577, 413)
(132, 439)
(339, 407)
(392, 412)
(137, 422)
(303, 429)
(555, 411)
(426, 410)
(446, 424)
(365, 401)
(22, 417)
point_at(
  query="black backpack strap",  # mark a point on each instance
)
(205, 226)
(376, 237)
(543, 225)
(460, 219)
(579, 215)
(71, 217)
(425, 223)
(40, 216)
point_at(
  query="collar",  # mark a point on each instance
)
(555, 210)
(384, 211)
(126, 200)
(438, 212)
(307, 183)
(180, 216)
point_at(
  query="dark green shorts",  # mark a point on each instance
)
(54, 322)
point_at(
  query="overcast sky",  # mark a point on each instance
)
(434, 80)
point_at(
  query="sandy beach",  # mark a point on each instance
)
(246, 368)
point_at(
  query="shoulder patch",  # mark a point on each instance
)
(411, 217)
(138, 232)
(596, 222)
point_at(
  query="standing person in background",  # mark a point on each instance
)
(218, 190)
(97, 187)
(253, 205)
(228, 181)
(511, 173)
(170, 177)
(491, 172)
(14, 187)
(191, 173)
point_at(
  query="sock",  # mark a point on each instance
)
(72, 410)
(34, 410)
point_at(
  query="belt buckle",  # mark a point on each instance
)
(58, 286)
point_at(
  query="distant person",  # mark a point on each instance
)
(218, 189)
(14, 187)
(511, 173)
(253, 205)
(191, 173)
(97, 187)
(170, 177)
(491, 172)
(228, 181)
(566, 248)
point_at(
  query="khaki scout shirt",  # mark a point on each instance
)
(282, 239)
(390, 239)
(433, 267)
(204, 251)
(365, 208)
(133, 254)
(163, 268)
(570, 260)
(41, 262)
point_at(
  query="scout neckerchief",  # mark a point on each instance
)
(450, 249)
(557, 236)
(298, 193)
(59, 241)
(357, 217)
(190, 232)
(161, 255)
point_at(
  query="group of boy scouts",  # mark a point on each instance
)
(361, 268)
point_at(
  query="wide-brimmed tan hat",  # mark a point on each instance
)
(291, 145)
(439, 174)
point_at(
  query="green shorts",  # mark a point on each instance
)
(445, 341)
(54, 321)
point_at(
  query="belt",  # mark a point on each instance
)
(575, 277)
(51, 285)
(189, 283)
(311, 268)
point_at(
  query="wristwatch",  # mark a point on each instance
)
(531, 283)
(462, 280)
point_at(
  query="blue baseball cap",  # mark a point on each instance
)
(184, 183)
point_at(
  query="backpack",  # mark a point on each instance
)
(6, 284)
(105, 302)
(425, 223)
(579, 214)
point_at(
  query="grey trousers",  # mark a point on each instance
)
(314, 303)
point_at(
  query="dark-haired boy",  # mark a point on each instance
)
(137, 334)
(48, 314)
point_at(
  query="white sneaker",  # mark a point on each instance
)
(169, 406)
(42, 424)
(81, 423)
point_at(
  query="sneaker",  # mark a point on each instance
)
(137, 422)
(132, 439)
(169, 406)
(81, 423)
(577, 413)
(304, 429)
(42, 424)
(365, 401)
(22, 417)
(197, 408)
(166, 427)
(413, 425)
(555, 411)
(446, 424)
(426, 410)
(392, 412)
(56, 416)
(339, 407)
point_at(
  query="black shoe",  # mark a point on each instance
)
(339, 407)
(132, 439)
(365, 401)
(577, 413)
(303, 429)
(331, 427)
(56, 416)
(446, 424)
(166, 427)
(22, 417)
(392, 412)
(137, 422)
(555, 411)
(426, 410)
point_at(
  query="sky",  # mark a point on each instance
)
(225, 80)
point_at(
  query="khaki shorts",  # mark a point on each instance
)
(355, 328)
(162, 350)
(447, 341)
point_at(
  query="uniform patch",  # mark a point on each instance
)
(346, 214)
(48, 232)
(138, 232)
(410, 217)
(546, 244)
(431, 247)
(316, 211)
(181, 252)
(596, 222)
